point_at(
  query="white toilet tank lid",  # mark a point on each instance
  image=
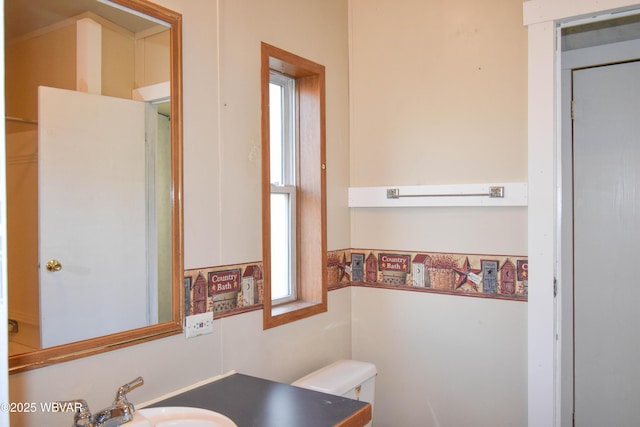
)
(338, 377)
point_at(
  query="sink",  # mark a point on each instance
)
(178, 416)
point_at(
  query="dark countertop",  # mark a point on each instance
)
(255, 402)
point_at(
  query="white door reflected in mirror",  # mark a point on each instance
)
(101, 290)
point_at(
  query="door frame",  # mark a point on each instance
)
(152, 95)
(541, 18)
(567, 62)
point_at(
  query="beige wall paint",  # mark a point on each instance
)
(438, 96)
(22, 225)
(48, 57)
(438, 92)
(118, 63)
(152, 61)
(58, 48)
(480, 230)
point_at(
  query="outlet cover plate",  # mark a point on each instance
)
(199, 324)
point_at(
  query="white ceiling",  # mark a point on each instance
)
(24, 16)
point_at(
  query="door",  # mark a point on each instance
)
(606, 221)
(92, 212)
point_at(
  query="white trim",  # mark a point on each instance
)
(564, 301)
(184, 389)
(541, 224)
(539, 11)
(289, 119)
(135, 12)
(602, 54)
(541, 16)
(573, 22)
(151, 143)
(151, 32)
(88, 56)
(289, 174)
(290, 190)
(159, 92)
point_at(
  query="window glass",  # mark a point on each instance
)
(280, 248)
(275, 129)
(282, 172)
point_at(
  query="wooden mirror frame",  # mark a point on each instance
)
(76, 350)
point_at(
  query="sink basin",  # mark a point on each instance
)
(178, 416)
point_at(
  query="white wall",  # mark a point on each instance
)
(4, 390)
(442, 360)
(221, 51)
(541, 17)
(438, 96)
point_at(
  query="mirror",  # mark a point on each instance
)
(94, 176)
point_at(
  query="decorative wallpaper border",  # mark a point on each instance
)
(489, 276)
(238, 288)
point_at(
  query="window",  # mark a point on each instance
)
(293, 187)
(283, 171)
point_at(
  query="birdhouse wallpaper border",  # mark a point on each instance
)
(234, 289)
(489, 276)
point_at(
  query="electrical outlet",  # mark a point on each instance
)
(199, 324)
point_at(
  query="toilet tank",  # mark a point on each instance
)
(348, 378)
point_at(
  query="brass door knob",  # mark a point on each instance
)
(54, 265)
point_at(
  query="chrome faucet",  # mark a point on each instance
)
(120, 411)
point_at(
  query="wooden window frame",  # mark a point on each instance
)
(311, 197)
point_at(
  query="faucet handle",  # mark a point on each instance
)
(121, 395)
(82, 416)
